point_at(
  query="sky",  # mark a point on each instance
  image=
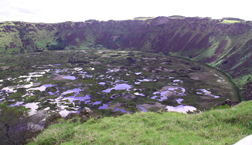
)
(53, 11)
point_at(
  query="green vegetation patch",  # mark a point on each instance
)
(230, 21)
(119, 68)
(215, 127)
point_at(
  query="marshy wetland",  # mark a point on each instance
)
(109, 81)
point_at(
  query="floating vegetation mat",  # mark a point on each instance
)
(109, 81)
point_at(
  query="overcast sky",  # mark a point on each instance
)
(51, 11)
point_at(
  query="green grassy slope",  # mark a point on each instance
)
(214, 127)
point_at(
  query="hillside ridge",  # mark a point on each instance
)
(223, 43)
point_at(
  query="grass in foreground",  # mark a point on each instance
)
(215, 127)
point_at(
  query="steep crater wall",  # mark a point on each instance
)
(225, 44)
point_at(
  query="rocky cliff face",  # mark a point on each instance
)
(226, 44)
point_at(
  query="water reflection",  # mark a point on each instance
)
(101, 83)
(181, 108)
(96, 102)
(118, 87)
(104, 106)
(143, 109)
(63, 102)
(33, 107)
(73, 98)
(205, 92)
(65, 112)
(138, 73)
(139, 94)
(42, 88)
(118, 109)
(179, 100)
(70, 77)
(122, 87)
(17, 103)
(76, 90)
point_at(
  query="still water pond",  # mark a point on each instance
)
(126, 81)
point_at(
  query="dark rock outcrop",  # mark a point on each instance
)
(87, 113)
(84, 115)
(247, 91)
(227, 102)
(51, 119)
(118, 114)
(71, 116)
